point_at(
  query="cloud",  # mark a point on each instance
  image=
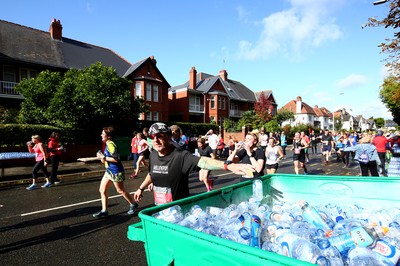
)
(307, 24)
(243, 14)
(351, 81)
(374, 109)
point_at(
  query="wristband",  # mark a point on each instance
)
(141, 189)
(226, 163)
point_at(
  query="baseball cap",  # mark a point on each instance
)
(159, 128)
(379, 132)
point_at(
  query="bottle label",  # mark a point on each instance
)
(388, 251)
(360, 237)
(313, 217)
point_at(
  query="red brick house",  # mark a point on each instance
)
(205, 98)
(150, 84)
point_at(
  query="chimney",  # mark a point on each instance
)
(298, 105)
(56, 30)
(153, 59)
(192, 78)
(223, 74)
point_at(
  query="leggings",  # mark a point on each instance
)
(37, 167)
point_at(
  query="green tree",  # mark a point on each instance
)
(283, 115)
(390, 95)
(338, 123)
(272, 126)
(249, 120)
(380, 122)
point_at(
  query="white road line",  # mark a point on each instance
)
(84, 202)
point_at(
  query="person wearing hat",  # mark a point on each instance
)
(169, 167)
(380, 143)
(394, 165)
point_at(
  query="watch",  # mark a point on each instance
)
(226, 163)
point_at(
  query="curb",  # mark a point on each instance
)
(76, 176)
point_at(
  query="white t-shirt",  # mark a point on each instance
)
(213, 141)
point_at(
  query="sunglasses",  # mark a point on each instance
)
(158, 136)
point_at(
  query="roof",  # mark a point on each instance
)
(305, 108)
(234, 89)
(148, 60)
(32, 46)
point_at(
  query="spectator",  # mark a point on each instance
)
(365, 148)
(143, 150)
(249, 153)
(170, 166)
(381, 143)
(134, 151)
(41, 161)
(394, 165)
(213, 140)
(114, 173)
(221, 146)
(313, 142)
(327, 144)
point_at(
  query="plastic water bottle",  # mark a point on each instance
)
(330, 252)
(255, 231)
(301, 249)
(363, 257)
(314, 218)
(258, 190)
(360, 236)
(388, 250)
(172, 214)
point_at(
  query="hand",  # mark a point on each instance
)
(138, 195)
(242, 169)
(99, 155)
(150, 187)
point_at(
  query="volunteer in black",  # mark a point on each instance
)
(169, 167)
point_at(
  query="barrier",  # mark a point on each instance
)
(13, 155)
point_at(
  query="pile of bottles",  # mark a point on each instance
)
(326, 234)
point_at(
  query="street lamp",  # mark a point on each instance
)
(379, 2)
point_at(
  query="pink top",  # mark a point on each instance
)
(38, 153)
(142, 146)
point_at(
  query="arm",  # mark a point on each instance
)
(146, 182)
(212, 164)
(280, 152)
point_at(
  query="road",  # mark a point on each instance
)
(55, 226)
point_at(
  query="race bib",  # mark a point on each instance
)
(297, 151)
(162, 195)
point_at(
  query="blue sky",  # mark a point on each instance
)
(315, 49)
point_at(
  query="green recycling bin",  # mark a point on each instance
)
(124, 147)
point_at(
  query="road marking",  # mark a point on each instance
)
(86, 202)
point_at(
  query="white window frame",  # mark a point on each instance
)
(148, 92)
(194, 103)
(30, 73)
(212, 102)
(155, 116)
(138, 89)
(155, 93)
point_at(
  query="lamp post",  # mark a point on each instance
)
(379, 2)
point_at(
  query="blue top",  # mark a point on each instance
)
(370, 150)
(112, 151)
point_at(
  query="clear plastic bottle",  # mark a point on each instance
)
(172, 214)
(314, 217)
(330, 252)
(359, 236)
(301, 249)
(258, 190)
(363, 257)
(388, 250)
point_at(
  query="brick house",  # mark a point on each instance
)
(25, 52)
(205, 98)
(150, 84)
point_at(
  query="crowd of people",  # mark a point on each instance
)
(170, 162)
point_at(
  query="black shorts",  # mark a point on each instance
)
(299, 157)
(272, 166)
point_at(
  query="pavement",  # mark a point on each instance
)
(66, 171)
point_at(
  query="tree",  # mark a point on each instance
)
(283, 115)
(262, 107)
(390, 90)
(380, 122)
(83, 99)
(338, 123)
(249, 120)
(390, 95)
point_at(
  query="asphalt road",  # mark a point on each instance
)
(55, 226)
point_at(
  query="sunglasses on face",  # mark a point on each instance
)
(158, 136)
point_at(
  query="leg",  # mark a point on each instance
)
(373, 168)
(296, 166)
(104, 185)
(382, 157)
(55, 160)
(364, 169)
(203, 176)
(119, 186)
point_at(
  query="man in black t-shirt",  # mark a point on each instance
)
(327, 144)
(169, 167)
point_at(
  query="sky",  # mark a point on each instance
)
(316, 49)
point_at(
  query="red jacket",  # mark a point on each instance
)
(380, 143)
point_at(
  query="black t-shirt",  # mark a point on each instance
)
(206, 151)
(257, 154)
(172, 171)
(326, 140)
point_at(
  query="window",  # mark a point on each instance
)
(138, 89)
(25, 73)
(212, 102)
(155, 116)
(155, 94)
(9, 73)
(148, 116)
(194, 103)
(223, 103)
(212, 118)
(148, 92)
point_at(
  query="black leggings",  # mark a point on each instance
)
(37, 167)
(371, 166)
(55, 161)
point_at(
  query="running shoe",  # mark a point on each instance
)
(32, 187)
(47, 185)
(100, 214)
(132, 208)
